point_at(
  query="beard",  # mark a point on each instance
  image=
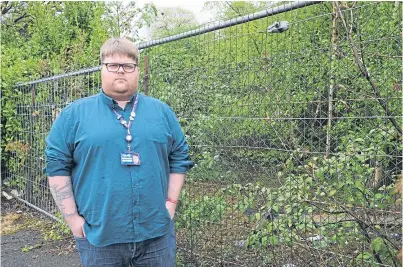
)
(121, 87)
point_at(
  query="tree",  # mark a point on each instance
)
(40, 39)
(225, 10)
(127, 18)
(171, 21)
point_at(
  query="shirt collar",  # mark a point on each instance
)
(111, 102)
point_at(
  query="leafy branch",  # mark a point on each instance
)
(364, 70)
(364, 226)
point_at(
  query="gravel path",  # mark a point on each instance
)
(43, 253)
(38, 252)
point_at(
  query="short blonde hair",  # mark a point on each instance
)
(120, 46)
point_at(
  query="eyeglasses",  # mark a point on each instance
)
(114, 67)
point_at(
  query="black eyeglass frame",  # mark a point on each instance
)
(120, 65)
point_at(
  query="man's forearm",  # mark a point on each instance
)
(175, 185)
(62, 192)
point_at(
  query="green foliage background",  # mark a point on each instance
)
(49, 39)
(254, 107)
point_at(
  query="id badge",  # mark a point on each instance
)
(130, 159)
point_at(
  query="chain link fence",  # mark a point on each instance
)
(295, 124)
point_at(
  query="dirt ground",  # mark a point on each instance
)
(26, 239)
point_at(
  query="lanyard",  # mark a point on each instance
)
(129, 137)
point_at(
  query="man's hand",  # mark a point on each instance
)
(171, 207)
(76, 224)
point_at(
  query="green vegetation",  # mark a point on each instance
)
(277, 174)
(255, 109)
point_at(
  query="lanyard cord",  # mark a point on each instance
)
(129, 137)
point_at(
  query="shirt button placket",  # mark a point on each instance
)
(134, 173)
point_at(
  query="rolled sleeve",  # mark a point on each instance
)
(179, 161)
(59, 148)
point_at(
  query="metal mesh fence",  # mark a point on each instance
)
(38, 104)
(296, 137)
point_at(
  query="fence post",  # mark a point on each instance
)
(332, 78)
(146, 79)
(33, 95)
(29, 186)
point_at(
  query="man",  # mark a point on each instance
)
(116, 162)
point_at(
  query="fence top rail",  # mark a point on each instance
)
(64, 75)
(225, 24)
(216, 26)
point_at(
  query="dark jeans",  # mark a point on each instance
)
(155, 252)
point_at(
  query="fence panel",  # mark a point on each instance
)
(297, 137)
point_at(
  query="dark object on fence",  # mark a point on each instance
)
(278, 27)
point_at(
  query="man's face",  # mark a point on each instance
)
(119, 85)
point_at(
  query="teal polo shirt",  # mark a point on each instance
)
(120, 204)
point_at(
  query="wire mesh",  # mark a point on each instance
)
(38, 105)
(296, 137)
